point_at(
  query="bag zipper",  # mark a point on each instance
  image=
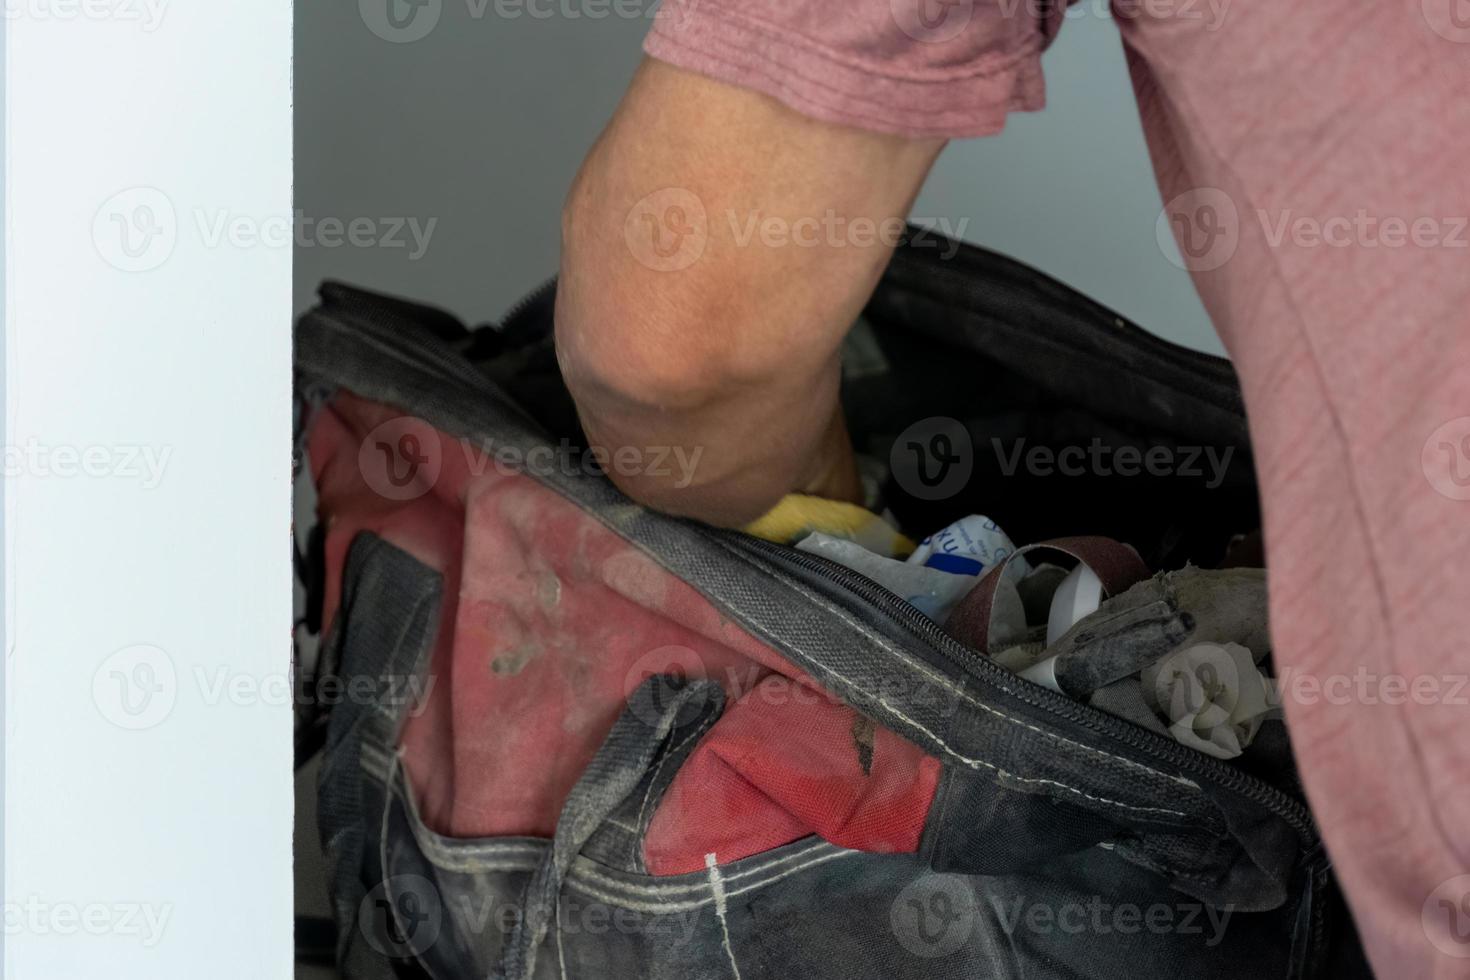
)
(526, 302)
(927, 631)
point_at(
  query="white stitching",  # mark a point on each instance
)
(633, 847)
(591, 872)
(960, 692)
(717, 887)
(685, 906)
(978, 763)
(464, 856)
(561, 956)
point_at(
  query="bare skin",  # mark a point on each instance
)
(715, 249)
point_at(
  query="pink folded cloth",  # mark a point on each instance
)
(1313, 157)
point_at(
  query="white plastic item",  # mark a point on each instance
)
(970, 546)
(1212, 696)
(930, 590)
(1079, 595)
(1044, 672)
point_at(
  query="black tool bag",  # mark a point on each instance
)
(1063, 840)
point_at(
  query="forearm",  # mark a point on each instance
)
(723, 341)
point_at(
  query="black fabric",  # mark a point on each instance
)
(1041, 795)
(388, 615)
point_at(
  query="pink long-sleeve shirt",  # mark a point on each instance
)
(1315, 161)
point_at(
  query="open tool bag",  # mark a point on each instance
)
(573, 738)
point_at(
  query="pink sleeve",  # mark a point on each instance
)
(947, 68)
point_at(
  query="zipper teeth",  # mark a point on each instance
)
(985, 669)
(526, 302)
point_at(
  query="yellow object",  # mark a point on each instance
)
(799, 514)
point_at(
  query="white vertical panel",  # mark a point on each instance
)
(147, 724)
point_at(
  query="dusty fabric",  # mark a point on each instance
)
(1312, 155)
(550, 622)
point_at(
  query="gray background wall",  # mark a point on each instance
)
(481, 123)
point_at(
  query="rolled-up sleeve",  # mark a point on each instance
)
(918, 68)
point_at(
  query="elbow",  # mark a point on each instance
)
(630, 338)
